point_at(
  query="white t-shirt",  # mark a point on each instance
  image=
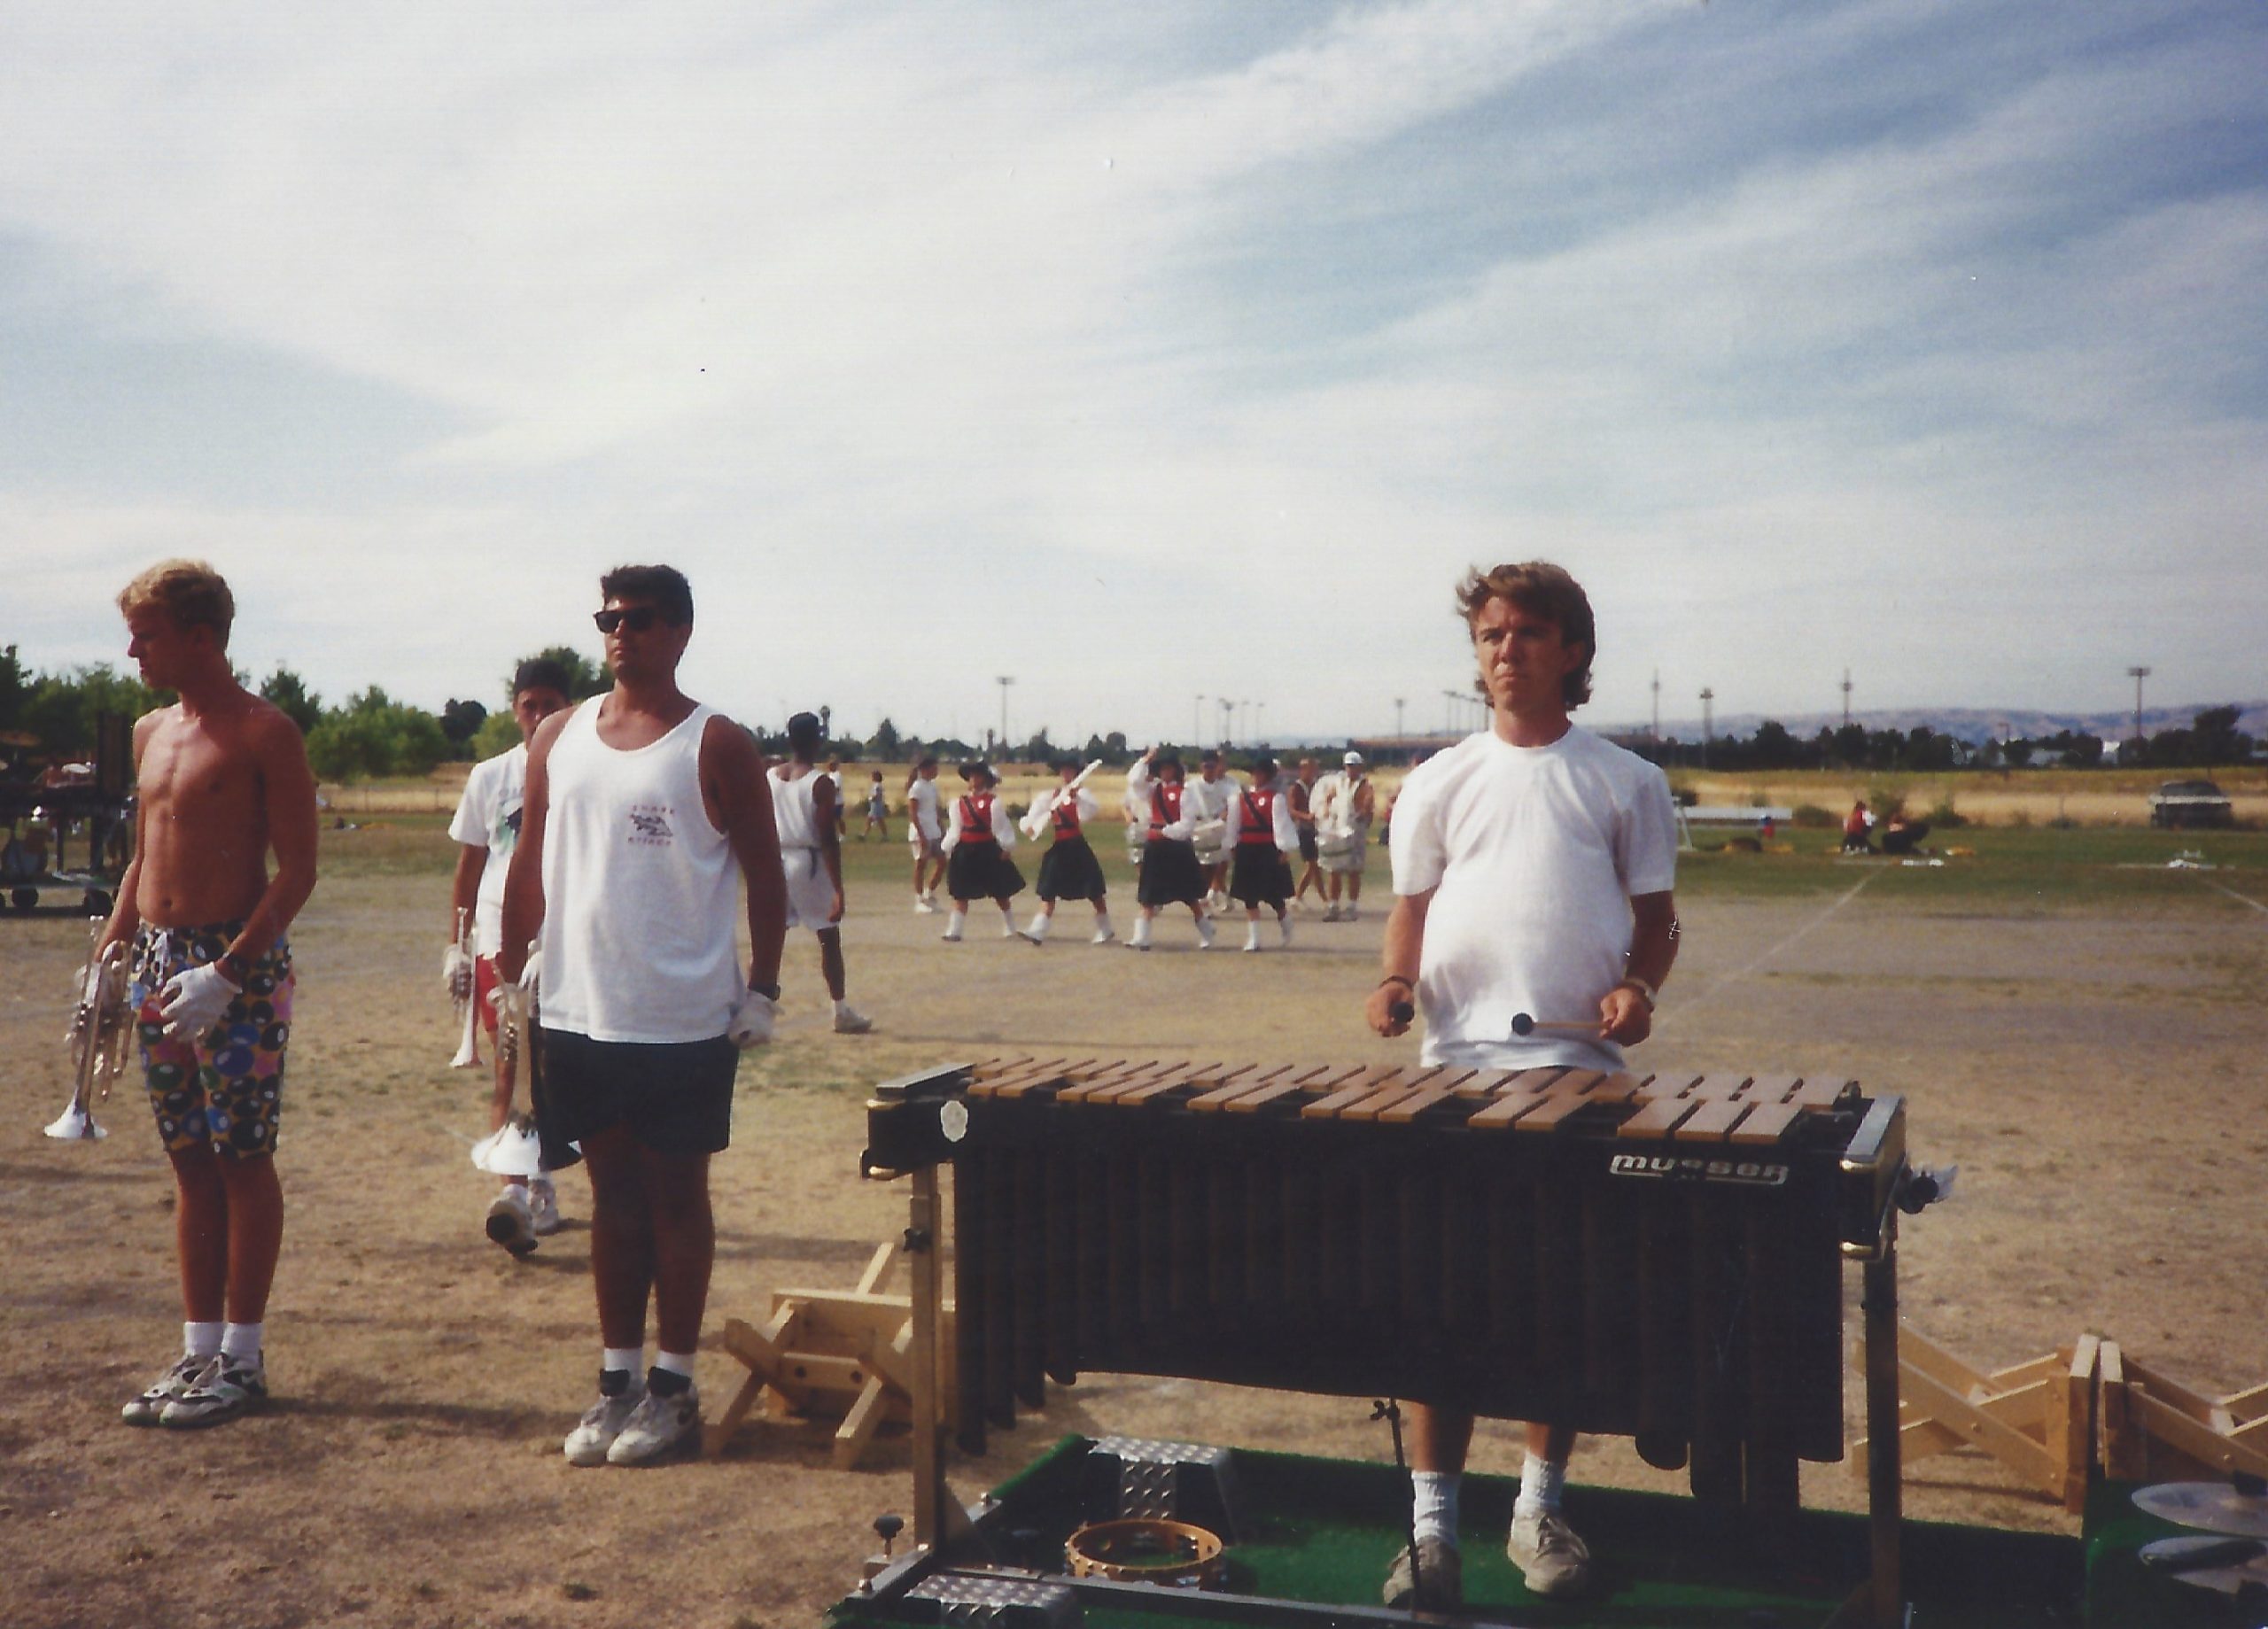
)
(921, 807)
(1534, 853)
(488, 817)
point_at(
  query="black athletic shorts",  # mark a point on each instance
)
(675, 1098)
(1307, 842)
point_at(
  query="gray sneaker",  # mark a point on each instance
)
(509, 1221)
(1550, 1557)
(224, 1388)
(176, 1382)
(601, 1426)
(1436, 1583)
(543, 1207)
(659, 1428)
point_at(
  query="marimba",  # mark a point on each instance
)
(1655, 1255)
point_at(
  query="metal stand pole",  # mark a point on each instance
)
(1886, 1466)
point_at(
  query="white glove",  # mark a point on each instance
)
(752, 1019)
(457, 973)
(516, 1003)
(193, 1000)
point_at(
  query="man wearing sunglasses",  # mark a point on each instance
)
(642, 811)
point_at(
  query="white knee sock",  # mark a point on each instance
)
(1432, 1504)
(1039, 929)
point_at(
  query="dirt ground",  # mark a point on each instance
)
(2096, 1072)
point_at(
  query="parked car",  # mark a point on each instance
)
(2189, 802)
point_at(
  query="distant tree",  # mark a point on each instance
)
(1038, 749)
(2217, 739)
(375, 735)
(290, 693)
(15, 688)
(1848, 746)
(1774, 747)
(1110, 749)
(884, 742)
(499, 732)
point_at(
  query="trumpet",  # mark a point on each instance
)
(102, 1030)
(468, 1009)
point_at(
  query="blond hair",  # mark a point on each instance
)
(189, 591)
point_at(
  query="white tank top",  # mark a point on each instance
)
(640, 890)
(792, 810)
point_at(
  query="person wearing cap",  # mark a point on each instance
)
(1354, 804)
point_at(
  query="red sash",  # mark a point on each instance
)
(1066, 817)
(1258, 827)
(976, 819)
(1165, 807)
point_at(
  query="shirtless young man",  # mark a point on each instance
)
(809, 824)
(223, 780)
(486, 827)
(1533, 869)
(644, 812)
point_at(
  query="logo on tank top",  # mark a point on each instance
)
(649, 825)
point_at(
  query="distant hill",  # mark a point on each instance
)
(1974, 724)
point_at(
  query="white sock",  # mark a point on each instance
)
(241, 1340)
(1141, 931)
(1432, 1504)
(841, 1006)
(674, 1363)
(954, 922)
(1102, 921)
(1007, 923)
(1540, 1485)
(201, 1339)
(1252, 936)
(1039, 929)
(631, 1360)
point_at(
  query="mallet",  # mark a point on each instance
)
(1523, 1024)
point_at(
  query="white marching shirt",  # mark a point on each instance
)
(641, 891)
(1532, 855)
(488, 817)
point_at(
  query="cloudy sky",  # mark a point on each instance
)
(1146, 352)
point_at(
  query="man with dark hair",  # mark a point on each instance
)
(644, 812)
(223, 779)
(1532, 866)
(808, 818)
(486, 828)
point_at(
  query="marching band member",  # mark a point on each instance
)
(923, 833)
(644, 812)
(1350, 803)
(222, 779)
(1532, 871)
(1261, 834)
(1170, 873)
(1207, 800)
(486, 827)
(1070, 869)
(1300, 794)
(977, 840)
(803, 812)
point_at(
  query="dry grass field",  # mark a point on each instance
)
(2080, 1029)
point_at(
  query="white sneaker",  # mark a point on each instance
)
(601, 1426)
(923, 906)
(176, 1382)
(1205, 936)
(1353, 914)
(1284, 927)
(1252, 939)
(1552, 1560)
(1103, 935)
(511, 1222)
(543, 1207)
(657, 1428)
(224, 1388)
(1330, 913)
(1009, 930)
(850, 1021)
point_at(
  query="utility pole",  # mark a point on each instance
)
(1397, 715)
(2138, 674)
(1263, 720)
(1228, 717)
(1197, 722)
(1657, 707)
(1846, 698)
(1707, 696)
(1004, 681)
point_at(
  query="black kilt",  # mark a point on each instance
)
(980, 871)
(1170, 873)
(1260, 875)
(1069, 870)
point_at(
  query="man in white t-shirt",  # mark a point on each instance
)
(486, 827)
(925, 833)
(1533, 869)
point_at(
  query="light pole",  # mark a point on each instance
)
(1397, 717)
(2138, 674)
(1657, 707)
(1196, 721)
(1228, 717)
(1264, 720)
(1004, 681)
(1707, 696)
(1846, 698)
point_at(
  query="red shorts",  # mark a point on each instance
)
(484, 980)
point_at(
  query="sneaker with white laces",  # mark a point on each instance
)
(1435, 1584)
(1553, 1560)
(659, 1428)
(543, 1207)
(850, 1021)
(176, 1382)
(601, 1426)
(510, 1222)
(224, 1388)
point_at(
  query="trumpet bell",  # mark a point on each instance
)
(512, 1150)
(76, 1124)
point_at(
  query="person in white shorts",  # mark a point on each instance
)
(486, 828)
(811, 858)
(1206, 801)
(645, 812)
(925, 834)
(1533, 869)
(1353, 802)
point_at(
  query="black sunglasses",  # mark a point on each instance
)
(638, 619)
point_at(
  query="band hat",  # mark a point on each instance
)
(1352, 758)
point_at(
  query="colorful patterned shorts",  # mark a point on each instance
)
(222, 1090)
